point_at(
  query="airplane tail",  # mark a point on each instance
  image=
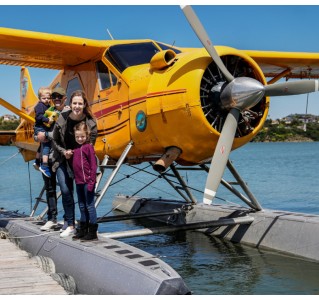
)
(28, 97)
(22, 137)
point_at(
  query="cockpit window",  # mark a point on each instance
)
(103, 75)
(165, 47)
(124, 56)
(106, 78)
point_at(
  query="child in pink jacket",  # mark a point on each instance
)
(84, 168)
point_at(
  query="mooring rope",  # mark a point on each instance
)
(9, 158)
(35, 235)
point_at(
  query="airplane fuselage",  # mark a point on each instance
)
(157, 98)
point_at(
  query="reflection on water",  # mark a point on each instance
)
(210, 265)
(278, 175)
(213, 266)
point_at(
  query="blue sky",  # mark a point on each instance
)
(261, 27)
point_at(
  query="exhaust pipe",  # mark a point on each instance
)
(171, 154)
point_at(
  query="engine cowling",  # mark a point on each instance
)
(212, 84)
(184, 109)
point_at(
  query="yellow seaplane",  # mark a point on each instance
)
(169, 106)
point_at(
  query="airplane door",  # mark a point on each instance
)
(112, 112)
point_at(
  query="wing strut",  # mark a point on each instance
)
(115, 168)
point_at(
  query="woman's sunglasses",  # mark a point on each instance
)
(57, 96)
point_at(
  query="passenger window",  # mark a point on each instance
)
(103, 75)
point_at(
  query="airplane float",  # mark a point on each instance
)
(174, 108)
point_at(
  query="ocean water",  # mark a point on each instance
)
(282, 176)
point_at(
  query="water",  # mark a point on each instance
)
(282, 176)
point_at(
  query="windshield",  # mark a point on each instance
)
(124, 56)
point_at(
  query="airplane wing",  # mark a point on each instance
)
(45, 50)
(290, 64)
(53, 51)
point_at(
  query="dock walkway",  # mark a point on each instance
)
(21, 275)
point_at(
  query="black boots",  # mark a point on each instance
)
(92, 233)
(81, 231)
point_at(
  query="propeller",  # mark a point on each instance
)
(239, 94)
(204, 38)
(291, 88)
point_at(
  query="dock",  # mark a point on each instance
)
(102, 267)
(22, 275)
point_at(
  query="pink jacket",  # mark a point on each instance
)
(84, 165)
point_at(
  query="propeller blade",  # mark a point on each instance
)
(291, 88)
(221, 155)
(204, 38)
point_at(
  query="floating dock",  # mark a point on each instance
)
(102, 267)
(22, 275)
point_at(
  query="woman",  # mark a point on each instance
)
(63, 141)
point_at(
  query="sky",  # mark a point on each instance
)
(261, 27)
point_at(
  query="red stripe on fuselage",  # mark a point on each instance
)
(127, 104)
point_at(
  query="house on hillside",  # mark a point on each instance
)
(9, 118)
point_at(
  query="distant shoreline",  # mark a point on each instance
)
(295, 139)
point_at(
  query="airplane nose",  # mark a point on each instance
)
(242, 93)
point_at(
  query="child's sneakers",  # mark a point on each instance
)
(45, 170)
(36, 166)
